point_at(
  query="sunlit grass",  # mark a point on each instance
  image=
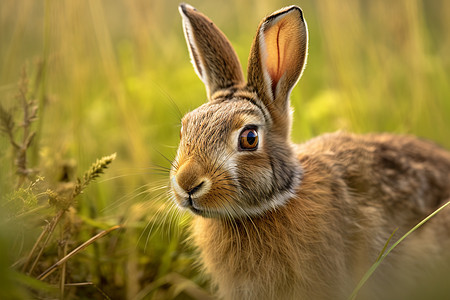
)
(115, 76)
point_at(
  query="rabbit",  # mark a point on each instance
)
(276, 220)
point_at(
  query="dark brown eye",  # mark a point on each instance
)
(248, 139)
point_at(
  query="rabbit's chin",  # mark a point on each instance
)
(234, 210)
(192, 205)
(206, 212)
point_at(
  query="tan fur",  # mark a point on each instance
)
(287, 221)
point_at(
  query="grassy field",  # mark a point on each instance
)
(108, 77)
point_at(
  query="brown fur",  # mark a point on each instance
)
(319, 245)
(292, 221)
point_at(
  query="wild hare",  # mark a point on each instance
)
(275, 220)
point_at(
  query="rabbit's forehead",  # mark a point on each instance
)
(223, 117)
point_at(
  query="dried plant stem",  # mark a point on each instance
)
(75, 251)
(80, 283)
(29, 116)
(63, 273)
(36, 244)
(47, 231)
(8, 126)
(89, 283)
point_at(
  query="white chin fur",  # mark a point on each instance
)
(237, 211)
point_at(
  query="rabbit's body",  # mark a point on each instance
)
(355, 191)
(282, 221)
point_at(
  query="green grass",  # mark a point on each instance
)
(106, 76)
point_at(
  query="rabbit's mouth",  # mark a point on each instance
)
(192, 206)
(196, 211)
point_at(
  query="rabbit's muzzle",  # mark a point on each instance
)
(190, 184)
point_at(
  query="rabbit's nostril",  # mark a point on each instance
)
(195, 189)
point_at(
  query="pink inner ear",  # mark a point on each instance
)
(282, 48)
(273, 58)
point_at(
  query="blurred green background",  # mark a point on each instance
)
(115, 76)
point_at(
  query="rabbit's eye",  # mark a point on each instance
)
(248, 139)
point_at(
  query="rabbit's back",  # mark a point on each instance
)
(399, 172)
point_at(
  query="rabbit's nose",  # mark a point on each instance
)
(196, 189)
(191, 179)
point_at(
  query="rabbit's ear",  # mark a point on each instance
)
(212, 55)
(278, 56)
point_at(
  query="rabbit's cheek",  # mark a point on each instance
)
(255, 177)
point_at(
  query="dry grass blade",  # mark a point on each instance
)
(75, 251)
(89, 283)
(30, 255)
(47, 231)
(62, 279)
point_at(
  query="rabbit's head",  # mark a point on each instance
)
(235, 158)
